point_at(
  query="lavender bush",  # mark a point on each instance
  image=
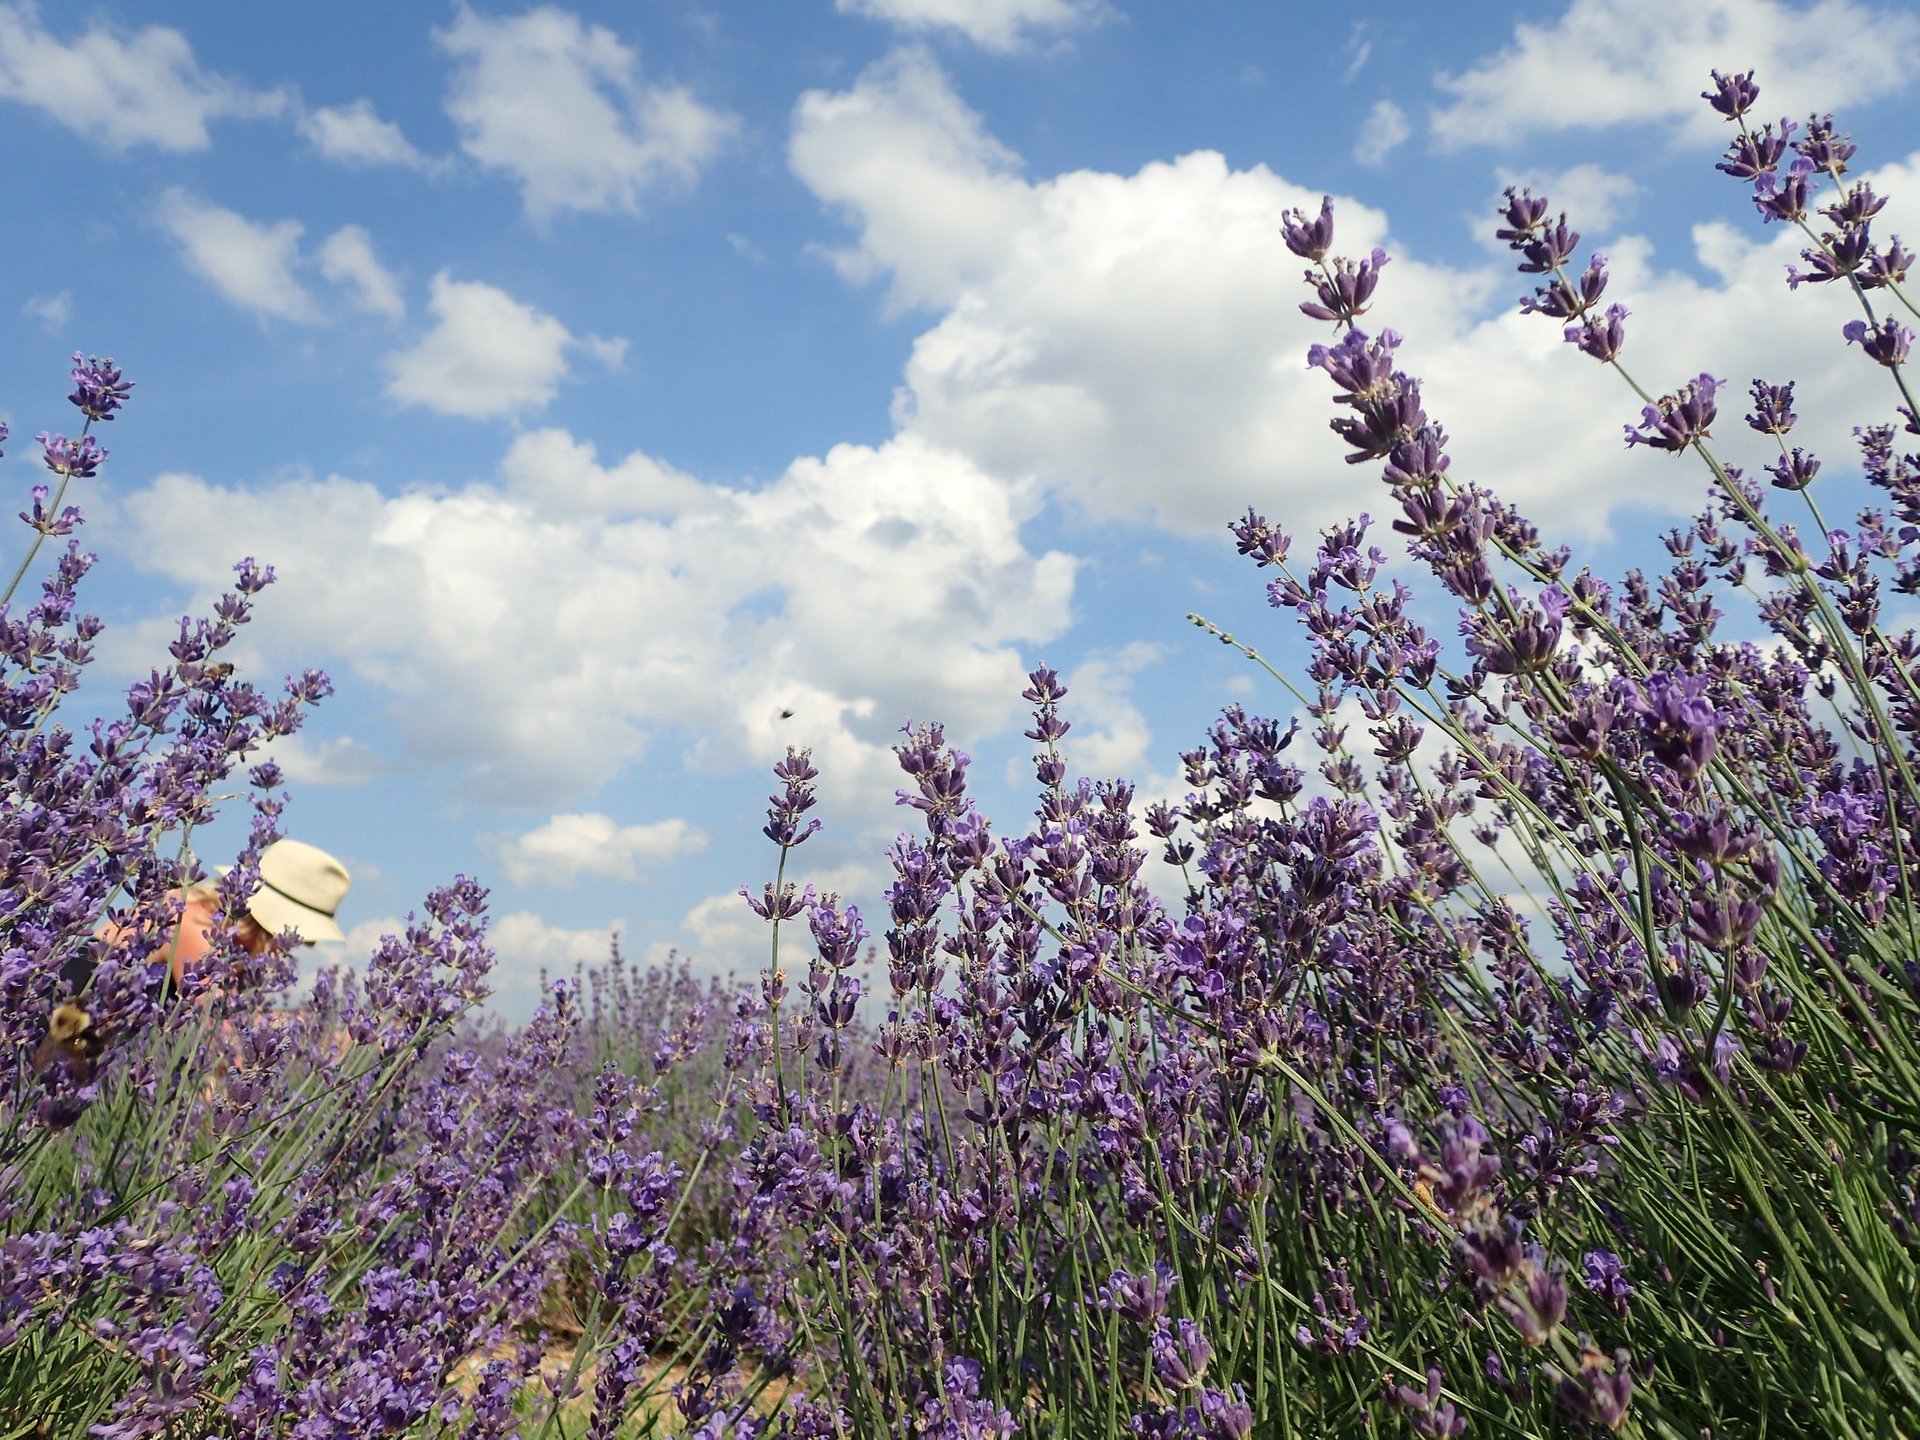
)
(215, 1214)
(1539, 1059)
(1535, 1049)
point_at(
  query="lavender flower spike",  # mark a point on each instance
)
(80, 458)
(1603, 339)
(99, 389)
(1772, 408)
(1732, 95)
(1886, 343)
(1309, 239)
(1344, 297)
(1674, 422)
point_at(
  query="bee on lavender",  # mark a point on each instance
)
(71, 1037)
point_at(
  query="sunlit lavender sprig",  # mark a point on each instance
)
(781, 901)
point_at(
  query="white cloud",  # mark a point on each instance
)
(52, 311)
(610, 353)
(121, 88)
(726, 938)
(1595, 199)
(354, 135)
(1383, 131)
(250, 264)
(253, 263)
(934, 195)
(346, 257)
(562, 477)
(1132, 343)
(1614, 62)
(363, 938)
(525, 945)
(1001, 25)
(340, 762)
(1359, 50)
(487, 354)
(1111, 738)
(559, 105)
(570, 846)
(536, 633)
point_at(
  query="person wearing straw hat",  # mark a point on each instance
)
(300, 890)
(299, 893)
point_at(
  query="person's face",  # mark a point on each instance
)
(253, 937)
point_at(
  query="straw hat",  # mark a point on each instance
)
(301, 887)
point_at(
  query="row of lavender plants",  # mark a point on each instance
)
(1535, 1050)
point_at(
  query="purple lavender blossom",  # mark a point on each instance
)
(1678, 421)
(1732, 95)
(1601, 1392)
(1344, 292)
(99, 389)
(1601, 337)
(1794, 470)
(797, 773)
(1309, 239)
(80, 458)
(1605, 1275)
(1772, 408)
(1886, 343)
(1757, 153)
(1784, 198)
(1678, 719)
(1825, 148)
(1432, 1415)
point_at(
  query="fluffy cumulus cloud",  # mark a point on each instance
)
(121, 88)
(1001, 25)
(1383, 131)
(538, 648)
(936, 198)
(339, 761)
(1132, 343)
(487, 354)
(255, 264)
(526, 948)
(1613, 62)
(355, 135)
(250, 263)
(559, 105)
(347, 258)
(571, 846)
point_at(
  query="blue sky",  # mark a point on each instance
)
(603, 380)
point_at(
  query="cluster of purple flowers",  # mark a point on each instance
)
(1145, 1150)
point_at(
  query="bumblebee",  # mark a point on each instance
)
(71, 1036)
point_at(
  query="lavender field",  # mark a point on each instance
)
(1531, 1046)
